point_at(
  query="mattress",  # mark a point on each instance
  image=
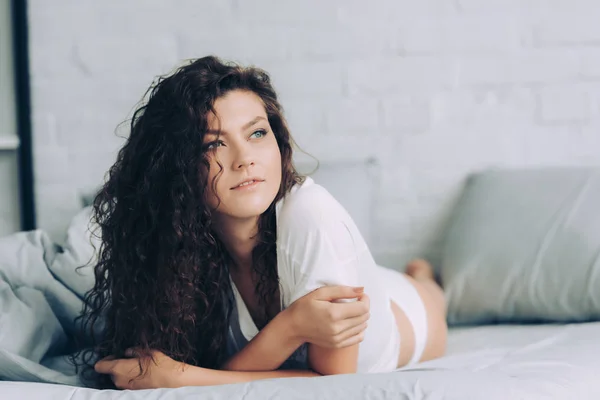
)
(485, 362)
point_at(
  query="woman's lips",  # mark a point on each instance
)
(248, 186)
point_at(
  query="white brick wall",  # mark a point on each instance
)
(433, 89)
(567, 103)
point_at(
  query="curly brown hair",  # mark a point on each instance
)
(161, 279)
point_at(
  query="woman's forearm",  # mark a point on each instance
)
(269, 348)
(198, 376)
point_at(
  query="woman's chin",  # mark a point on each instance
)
(249, 210)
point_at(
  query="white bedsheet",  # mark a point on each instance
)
(488, 362)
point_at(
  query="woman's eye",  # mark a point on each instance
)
(213, 145)
(260, 132)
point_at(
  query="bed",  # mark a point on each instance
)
(522, 324)
(487, 362)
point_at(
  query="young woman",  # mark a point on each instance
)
(220, 263)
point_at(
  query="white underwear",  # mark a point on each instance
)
(406, 297)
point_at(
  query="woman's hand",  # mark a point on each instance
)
(320, 320)
(161, 372)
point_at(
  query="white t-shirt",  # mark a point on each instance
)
(318, 244)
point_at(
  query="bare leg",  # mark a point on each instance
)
(420, 274)
(421, 271)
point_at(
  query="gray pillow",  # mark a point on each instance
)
(524, 246)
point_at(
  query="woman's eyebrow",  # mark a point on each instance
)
(247, 125)
(253, 122)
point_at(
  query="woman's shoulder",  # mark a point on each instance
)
(309, 205)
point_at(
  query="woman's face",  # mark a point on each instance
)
(247, 150)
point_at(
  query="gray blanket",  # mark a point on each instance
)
(40, 296)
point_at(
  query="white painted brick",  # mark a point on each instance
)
(126, 18)
(459, 35)
(63, 197)
(483, 107)
(573, 28)
(45, 127)
(130, 56)
(305, 119)
(353, 116)
(495, 7)
(190, 16)
(60, 59)
(395, 184)
(408, 113)
(565, 103)
(308, 79)
(594, 91)
(582, 6)
(554, 145)
(536, 66)
(264, 44)
(461, 148)
(401, 74)
(93, 163)
(341, 149)
(80, 129)
(455, 82)
(590, 64)
(75, 47)
(338, 41)
(51, 164)
(390, 236)
(391, 12)
(588, 143)
(393, 225)
(49, 96)
(285, 13)
(116, 96)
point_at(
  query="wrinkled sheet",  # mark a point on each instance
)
(40, 294)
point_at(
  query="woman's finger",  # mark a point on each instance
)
(364, 298)
(348, 333)
(352, 340)
(353, 322)
(120, 383)
(332, 293)
(351, 310)
(105, 366)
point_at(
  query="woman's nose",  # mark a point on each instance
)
(244, 156)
